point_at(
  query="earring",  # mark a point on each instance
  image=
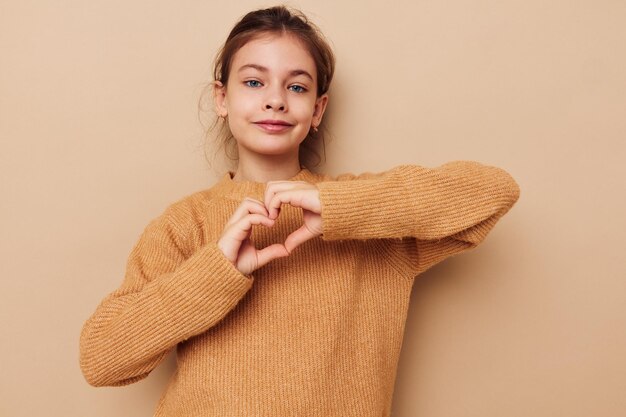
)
(314, 128)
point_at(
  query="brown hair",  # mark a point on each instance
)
(277, 20)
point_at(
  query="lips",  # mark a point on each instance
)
(273, 125)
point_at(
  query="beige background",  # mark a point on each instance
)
(99, 133)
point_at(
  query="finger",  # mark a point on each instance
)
(298, 237)
(246, 261)
(274, 187)
(233, 236)
(269, 253)
(307, 199)
(240, 230)
(247, 206)
(279, 198)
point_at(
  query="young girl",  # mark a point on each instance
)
(284, 292)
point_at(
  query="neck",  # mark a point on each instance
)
(264, 169)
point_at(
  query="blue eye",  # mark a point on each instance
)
(253, 83)
(297, 88)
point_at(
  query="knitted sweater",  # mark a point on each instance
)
(317, 333)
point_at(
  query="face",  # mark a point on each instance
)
(271, 98)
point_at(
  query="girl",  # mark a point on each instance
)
(284, 292)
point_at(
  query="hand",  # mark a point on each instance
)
(297, 194)
(235, 241)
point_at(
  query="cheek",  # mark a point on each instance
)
(241, 101)
(304, 109)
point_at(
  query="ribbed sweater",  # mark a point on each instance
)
(317, 333)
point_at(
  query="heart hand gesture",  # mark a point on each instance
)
(235, 240)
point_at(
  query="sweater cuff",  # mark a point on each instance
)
(208, 288)
(365, 209)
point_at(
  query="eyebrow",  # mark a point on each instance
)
(261, 68)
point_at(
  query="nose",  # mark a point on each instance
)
(275, 100)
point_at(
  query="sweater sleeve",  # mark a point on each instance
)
(446, 209)
(166, 298)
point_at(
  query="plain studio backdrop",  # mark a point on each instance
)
(99, 133)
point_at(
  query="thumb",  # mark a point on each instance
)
(298, 237)
(269, 253)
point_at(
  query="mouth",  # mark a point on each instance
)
(273, 125)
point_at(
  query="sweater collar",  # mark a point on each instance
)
(241, 189)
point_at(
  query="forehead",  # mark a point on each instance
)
(279, 53)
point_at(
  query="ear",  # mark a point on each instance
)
(219, 97)
(319, 109)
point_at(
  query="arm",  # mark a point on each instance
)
(168, 295)
(446, 209)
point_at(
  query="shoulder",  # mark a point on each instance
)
(182, 222)
(190, 206)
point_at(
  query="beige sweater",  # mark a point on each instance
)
(315, 334)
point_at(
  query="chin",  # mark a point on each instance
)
(273, 149)
(275, 152)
